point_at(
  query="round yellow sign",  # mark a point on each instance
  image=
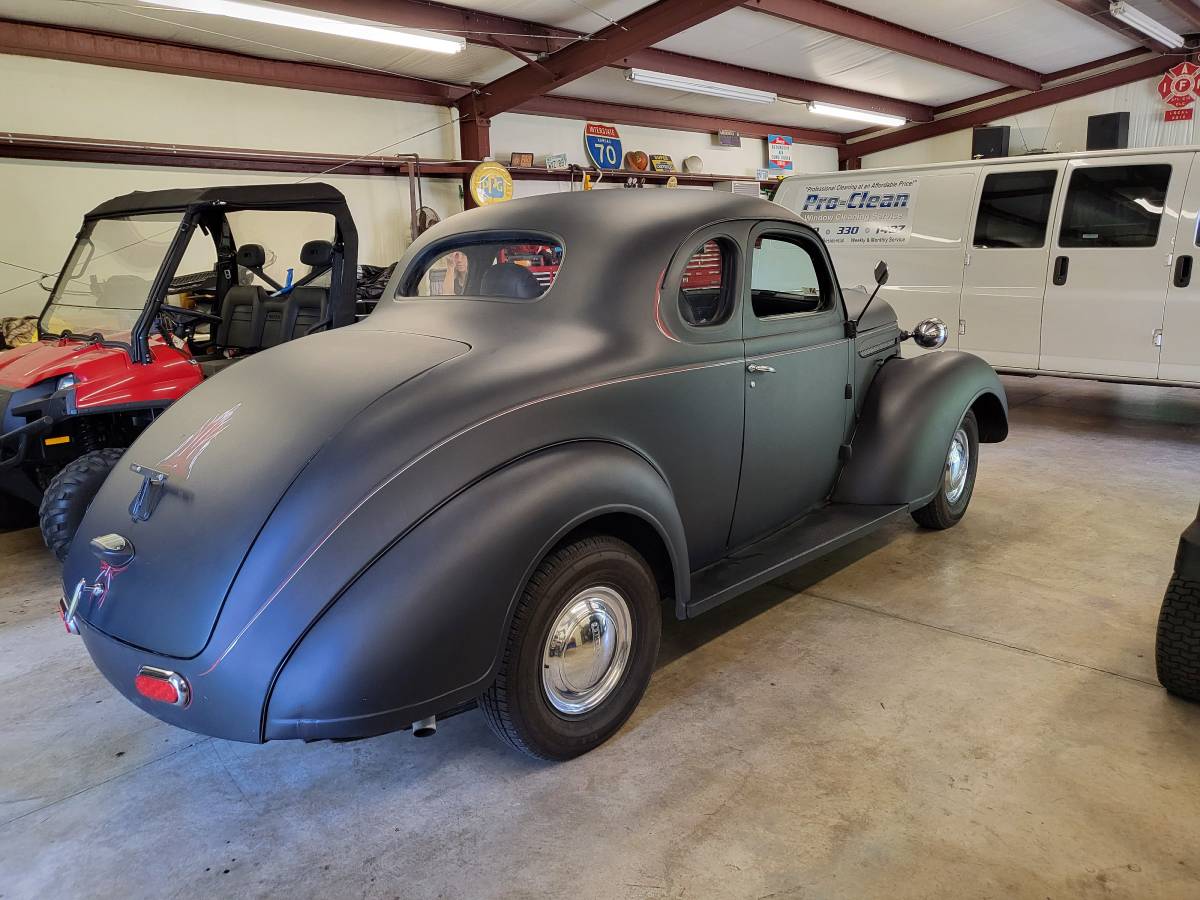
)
(491, 183)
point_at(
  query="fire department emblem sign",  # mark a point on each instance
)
(1178, 86)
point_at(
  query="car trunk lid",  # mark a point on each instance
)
(229, 451)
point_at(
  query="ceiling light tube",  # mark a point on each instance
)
(858, 115)
(697, 86)
(342, 26)
(1135, 18)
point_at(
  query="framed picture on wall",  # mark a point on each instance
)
(521, 161)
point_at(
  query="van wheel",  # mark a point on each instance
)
(580, 651)
(70, 494)
(950, 503)
(1177, 647)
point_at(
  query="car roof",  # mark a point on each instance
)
(261, 196)
(648, 214)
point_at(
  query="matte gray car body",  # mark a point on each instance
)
(341, 556)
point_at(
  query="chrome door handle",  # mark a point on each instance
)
(765, 370)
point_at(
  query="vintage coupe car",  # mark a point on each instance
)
(485, 491)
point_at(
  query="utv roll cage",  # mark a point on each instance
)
(207, 208)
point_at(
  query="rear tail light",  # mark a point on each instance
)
(162, 686)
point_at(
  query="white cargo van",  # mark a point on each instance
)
(1077, 264)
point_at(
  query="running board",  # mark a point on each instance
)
(817, 534)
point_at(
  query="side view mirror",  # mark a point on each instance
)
(881, 273)
(930, 334)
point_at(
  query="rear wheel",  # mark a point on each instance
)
(580, 650)
(950, 503)
(1177, 648)
(70, 494)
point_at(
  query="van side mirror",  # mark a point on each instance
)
(881, 273)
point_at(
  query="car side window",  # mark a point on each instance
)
(1014, 209)
(786, 278)
(1114, 206)
(706, 287)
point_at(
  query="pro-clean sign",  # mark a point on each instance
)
(875, 211)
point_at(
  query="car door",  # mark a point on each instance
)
(1004, 280)
(797, 365)
(1110, 265)
(1180, 351)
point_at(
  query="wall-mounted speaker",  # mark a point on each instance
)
(989, 141)
(1108, 132)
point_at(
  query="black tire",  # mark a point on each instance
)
(939, 513)
(1177, 647)
(516, 706)
(70, 494)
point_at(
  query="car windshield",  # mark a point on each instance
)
(520, 269)
(108, 276)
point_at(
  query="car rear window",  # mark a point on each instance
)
(520, 268)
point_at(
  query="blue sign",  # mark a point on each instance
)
(603, 145)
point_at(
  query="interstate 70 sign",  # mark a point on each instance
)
(603, 145)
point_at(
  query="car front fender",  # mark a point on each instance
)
(907, 420)
(421, 630)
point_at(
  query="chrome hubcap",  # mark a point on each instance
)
(954, 482)
(587, 650)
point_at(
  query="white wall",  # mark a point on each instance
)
(43, 202)
(1058, 128)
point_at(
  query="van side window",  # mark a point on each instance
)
(706, 287)
(786, 278)
(1114, 206)
(1014, 209)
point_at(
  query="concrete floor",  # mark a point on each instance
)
(966, 714)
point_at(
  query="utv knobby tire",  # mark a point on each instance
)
(939, 513)
(1177, 647)
(516, 705)
(70, 494)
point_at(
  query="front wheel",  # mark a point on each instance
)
(70, 494)
(950, 502)
(580, 651)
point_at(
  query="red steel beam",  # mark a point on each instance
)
(512, 34)
(1046, 97)
(98, 48)
(898, 39)
(573, 108)
(24, 39)
(635, 32)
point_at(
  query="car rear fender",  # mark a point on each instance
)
(421, 629)
(908, 417)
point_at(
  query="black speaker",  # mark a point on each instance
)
(1108, 132)
(988, 141)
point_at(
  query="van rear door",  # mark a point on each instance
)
(1110, 263)
(1004, 282)
(1180, 360)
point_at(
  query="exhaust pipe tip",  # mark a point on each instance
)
(424, 728)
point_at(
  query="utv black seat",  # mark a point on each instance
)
(241, 325)
(294, 313)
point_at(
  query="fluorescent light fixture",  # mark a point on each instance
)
(274, 14)
(696, 86)
(1135, 18)
(858, 115)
